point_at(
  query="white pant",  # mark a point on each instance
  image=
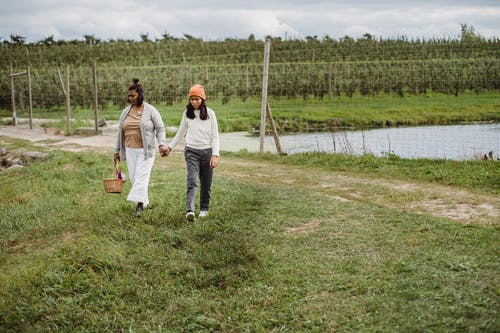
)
(139, 171)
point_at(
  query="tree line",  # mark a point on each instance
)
(232, 68)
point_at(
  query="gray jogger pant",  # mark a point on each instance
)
(198, 167)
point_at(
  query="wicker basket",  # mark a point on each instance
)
(114, 185)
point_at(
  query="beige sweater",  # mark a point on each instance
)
(152, 129)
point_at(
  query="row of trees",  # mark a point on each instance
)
(168, 84)
(170, 50)
(233, 68)
(468, 34)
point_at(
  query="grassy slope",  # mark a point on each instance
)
(287, 247)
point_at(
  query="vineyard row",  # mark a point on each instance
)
(169, 84)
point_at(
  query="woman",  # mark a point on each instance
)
(140, 124)
(201, 153)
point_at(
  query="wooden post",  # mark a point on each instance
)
(13, 93)
(330, 81)
(273, 129)
(190, 75)
(13, 100)
(96, 106)
(264, 94)
(30, 101)
(68, 105)
(61, 80)
(247, 81)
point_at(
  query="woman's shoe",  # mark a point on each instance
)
(139, 209)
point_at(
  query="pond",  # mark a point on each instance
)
(454, 142)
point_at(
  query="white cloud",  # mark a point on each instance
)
(219, 19)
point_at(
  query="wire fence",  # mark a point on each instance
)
(329, 103)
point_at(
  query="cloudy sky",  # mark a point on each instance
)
(220, 19)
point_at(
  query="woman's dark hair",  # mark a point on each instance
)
(135, 85)
(203, 111)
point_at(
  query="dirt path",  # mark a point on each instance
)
(423, 198)
(53, 138)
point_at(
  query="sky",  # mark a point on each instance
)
(221, 19)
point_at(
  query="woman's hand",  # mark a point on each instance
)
(165, 151)
(161, 148)
(214, 162)
(116, 158)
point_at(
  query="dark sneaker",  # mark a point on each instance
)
(190, 216)
(139, 209)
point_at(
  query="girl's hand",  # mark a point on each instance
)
(165, 151)
(214, 161)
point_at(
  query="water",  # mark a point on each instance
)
(454, 142)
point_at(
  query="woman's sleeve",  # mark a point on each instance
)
(160, 128)
(119, 134)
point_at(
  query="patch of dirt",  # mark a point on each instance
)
(303, 229)
(432, 199)
(54, 139)
(339, 198)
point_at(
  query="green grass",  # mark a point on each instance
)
(320, 114)
(271, 257)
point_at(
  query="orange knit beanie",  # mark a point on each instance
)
(197, 90)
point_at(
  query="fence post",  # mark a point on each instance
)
(264, 94)
(274, 131)
(329, 81)
(68, 105)
(30, 102)
(247, 81)
(13, 99)
(96, 106)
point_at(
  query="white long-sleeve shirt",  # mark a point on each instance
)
(200, 134)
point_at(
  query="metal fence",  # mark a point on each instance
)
(313, 99)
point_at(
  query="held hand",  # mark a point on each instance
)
(116, 158)
(164, 151)
(214, 162)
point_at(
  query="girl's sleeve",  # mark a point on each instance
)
(181, 131)
(215, 135)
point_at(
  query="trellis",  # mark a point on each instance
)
(12, 76)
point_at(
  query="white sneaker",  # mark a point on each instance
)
(190, 216)
(203, 213)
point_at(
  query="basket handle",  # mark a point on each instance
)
(117, 172)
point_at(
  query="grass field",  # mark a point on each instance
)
(302, 243)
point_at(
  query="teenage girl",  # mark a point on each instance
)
(201, 151)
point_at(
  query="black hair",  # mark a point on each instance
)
(203, 110)
(135, 85)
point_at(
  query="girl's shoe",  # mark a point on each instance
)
(203, 213)
(190, 216)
